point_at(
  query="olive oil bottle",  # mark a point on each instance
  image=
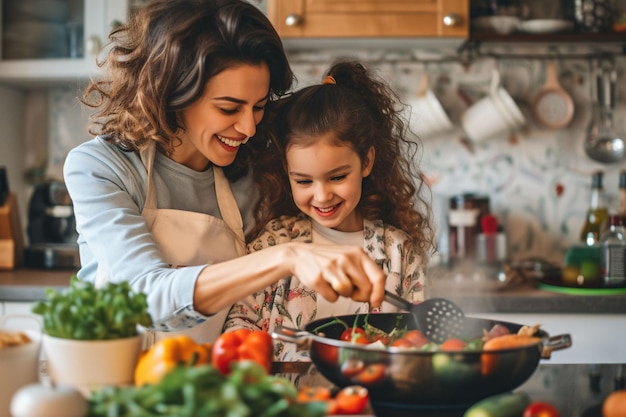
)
(597, 214)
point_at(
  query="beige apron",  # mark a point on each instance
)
(187, 238)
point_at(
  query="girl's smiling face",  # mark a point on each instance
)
(224, 118)
(326, 181)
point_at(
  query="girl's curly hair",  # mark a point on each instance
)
(361, 111)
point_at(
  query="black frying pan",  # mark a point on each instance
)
(414, 377)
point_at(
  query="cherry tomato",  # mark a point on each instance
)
(402, 343)
(372, 373)
(352, 367)
(354, 335)
(541, 409)
(307, 394)
(352, 399)
(452, 345)
(240, 345)
(383, 339)
(416, 338)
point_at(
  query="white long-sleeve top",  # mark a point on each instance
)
(108, 190)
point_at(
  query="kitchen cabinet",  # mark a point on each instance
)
(97, 17)
(369, 18)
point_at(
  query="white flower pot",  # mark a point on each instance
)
(89, 364)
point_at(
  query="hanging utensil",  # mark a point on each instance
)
(553, 107)
(603, 143)
(438, 319)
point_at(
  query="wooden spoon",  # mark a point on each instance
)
(553, 107)
(423, 87)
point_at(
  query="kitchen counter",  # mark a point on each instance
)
(26, 285)
(475, 293)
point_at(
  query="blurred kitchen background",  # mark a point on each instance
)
(533, 174)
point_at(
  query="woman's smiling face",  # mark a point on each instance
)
(326, 181)
(224, 118)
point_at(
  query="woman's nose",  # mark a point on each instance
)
(246, 124)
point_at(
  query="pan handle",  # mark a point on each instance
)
(301, 338)
(558, 342)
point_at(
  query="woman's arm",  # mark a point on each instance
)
(329, 270)
(106, 188)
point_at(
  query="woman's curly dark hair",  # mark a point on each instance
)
(361, 111)
(160, 61)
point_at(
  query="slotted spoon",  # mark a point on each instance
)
(438, 319)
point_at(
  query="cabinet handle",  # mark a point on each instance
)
(293, 20)
(452, 19)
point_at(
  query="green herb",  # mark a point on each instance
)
(83, 312)
(203, 391)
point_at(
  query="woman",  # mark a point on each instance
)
(185, 88)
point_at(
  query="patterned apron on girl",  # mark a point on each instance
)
(187, 238)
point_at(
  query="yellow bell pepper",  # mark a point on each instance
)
(155, 362)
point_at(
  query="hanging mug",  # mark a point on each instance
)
(493, 115)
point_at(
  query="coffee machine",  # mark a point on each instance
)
(51, 228)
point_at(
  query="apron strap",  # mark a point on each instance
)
(228, 206)
(149, 209)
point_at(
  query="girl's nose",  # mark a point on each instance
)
(322, 193)
(246, 124)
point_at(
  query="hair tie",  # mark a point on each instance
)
(329, 80)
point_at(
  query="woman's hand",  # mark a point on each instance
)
(339, 270)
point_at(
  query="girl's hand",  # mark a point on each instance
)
(339, 270)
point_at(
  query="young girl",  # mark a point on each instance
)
(347, 167)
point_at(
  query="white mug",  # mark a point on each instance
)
(493, 115)
(428, 117)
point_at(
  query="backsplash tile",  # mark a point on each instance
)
(537, 179)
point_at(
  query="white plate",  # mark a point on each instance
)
(546, 26)
(500, 24)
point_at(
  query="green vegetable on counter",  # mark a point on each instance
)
(509, 404)
(84, 312)
(204, 391)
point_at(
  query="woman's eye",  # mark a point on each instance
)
(302, 182)
(229, 111)
(339, 177)
(259, 108)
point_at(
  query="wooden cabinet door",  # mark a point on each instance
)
(369, 18)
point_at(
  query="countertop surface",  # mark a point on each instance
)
(25, 285)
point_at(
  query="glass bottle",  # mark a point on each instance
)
(613, 265)
(622, 194)
(597, 214)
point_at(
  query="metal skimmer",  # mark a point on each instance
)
(437, 318)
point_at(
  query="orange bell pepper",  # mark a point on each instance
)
(241, 345)
(168, 353)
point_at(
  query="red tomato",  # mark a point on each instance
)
(416, 338)
(354, 335)
(383, 339)
(452, 345)
(352, 399)
(402, 343)
(541, 409)
(372, 373)
(352, 367)
(242, 344)
(306, 394)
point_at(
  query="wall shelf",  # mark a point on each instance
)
(555, 45)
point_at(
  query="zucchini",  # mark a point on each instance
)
(509, 404)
